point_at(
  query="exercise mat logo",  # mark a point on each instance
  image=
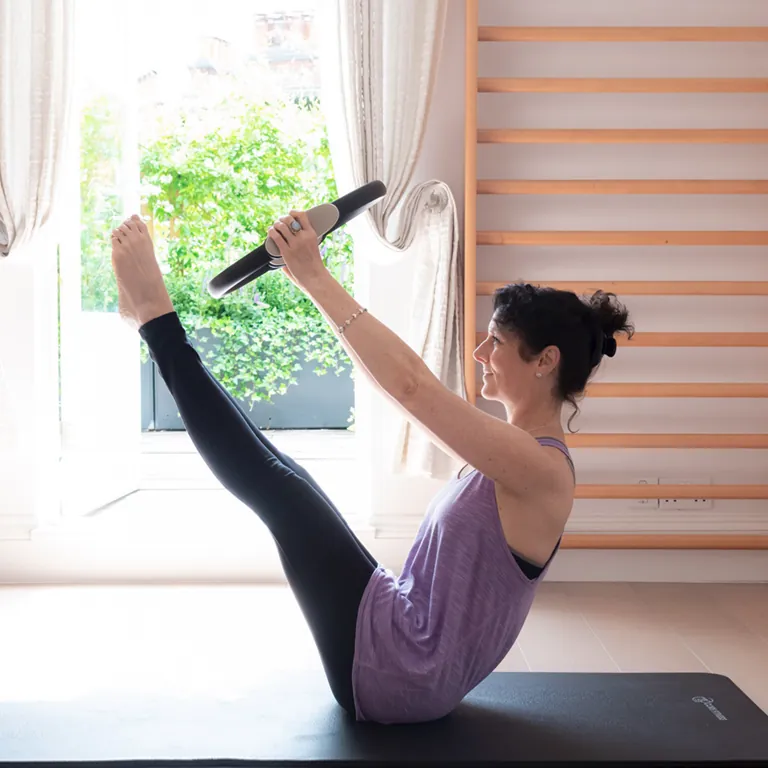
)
(710, 705)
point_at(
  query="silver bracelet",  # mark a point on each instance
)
(357, 314)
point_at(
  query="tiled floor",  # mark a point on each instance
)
(64, 641)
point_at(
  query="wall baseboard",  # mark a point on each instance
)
(74, 559)
(680, 566)
(16, 527)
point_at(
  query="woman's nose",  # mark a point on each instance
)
(477, 354)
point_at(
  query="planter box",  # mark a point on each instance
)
(316, 402)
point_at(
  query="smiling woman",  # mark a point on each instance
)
(397, 649)
(548, 335)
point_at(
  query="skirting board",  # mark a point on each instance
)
(56, 558)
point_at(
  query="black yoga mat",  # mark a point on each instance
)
(511, 718)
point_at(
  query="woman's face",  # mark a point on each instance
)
(507, 377)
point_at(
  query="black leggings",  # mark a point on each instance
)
(326, 566)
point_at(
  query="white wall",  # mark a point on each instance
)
(443, 158)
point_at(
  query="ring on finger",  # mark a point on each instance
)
(295, 225)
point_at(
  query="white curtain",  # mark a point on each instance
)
(35, 88)
(382, 59)
(35, 91)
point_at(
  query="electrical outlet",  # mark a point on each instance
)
(645, 503)
(685, 504)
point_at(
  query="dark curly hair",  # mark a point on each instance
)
(583, 329)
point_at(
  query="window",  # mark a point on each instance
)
(222, 100)
(206, 117)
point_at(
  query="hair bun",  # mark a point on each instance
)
(609, 346)
(610, 317)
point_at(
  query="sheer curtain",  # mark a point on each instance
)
(36, 56)
(381, 60)
(35, 88)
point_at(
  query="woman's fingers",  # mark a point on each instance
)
(303, 219)
(285, 235)
(283, 230)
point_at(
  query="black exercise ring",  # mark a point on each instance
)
(259, 262)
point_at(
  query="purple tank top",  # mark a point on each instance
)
(426, 639)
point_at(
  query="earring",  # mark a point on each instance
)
(539, 375)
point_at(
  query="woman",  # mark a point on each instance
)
(404, 649)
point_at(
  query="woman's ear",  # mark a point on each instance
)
(549, 359)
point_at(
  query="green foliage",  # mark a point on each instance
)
(100, 202)
(211, 192)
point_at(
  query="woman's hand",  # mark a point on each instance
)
(298, 248)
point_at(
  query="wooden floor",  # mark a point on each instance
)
(67, 641)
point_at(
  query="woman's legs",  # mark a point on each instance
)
(326, 566)
(291, 464)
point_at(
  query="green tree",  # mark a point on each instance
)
(210, 194)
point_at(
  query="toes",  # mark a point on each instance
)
(128, 230)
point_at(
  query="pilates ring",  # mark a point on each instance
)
(259, 261)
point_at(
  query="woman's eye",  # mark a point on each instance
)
(494, 339)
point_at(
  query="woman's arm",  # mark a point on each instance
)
(501, 451)
(505, 453)
(351, 352)
(361, 366)
(387, 359)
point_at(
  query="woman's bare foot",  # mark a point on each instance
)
(141, 289)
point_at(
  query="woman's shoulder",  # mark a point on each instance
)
(559, 444)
